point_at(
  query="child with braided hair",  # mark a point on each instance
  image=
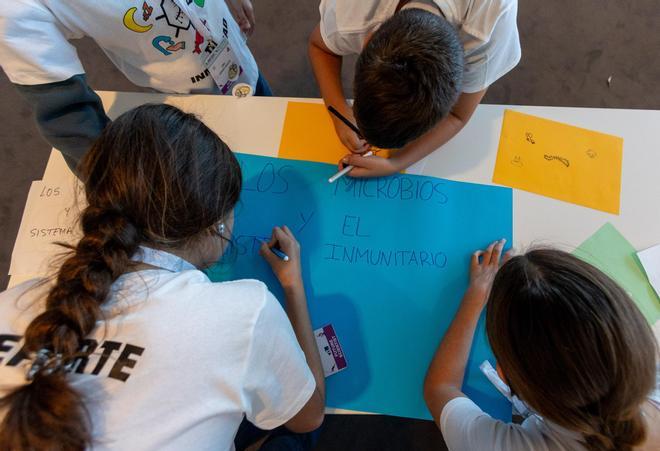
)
(132, 346)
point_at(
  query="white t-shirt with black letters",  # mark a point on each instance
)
(178, 362)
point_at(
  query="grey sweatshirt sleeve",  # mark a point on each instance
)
(69, 115)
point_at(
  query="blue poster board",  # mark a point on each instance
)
(385, 261)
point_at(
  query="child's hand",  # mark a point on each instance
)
(346, 135)
(287, 272)
(243, 12)
(483, 267)
(371, 166)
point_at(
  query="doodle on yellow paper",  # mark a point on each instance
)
(560, 161)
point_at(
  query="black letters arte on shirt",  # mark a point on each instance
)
(123, 356)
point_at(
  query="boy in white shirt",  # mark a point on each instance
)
(175, 46)
(423, 68)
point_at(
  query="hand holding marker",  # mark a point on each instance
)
(277, 252)
(282, 253)
(348, 168)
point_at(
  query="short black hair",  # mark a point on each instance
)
(407, 78)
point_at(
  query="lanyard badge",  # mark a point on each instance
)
(230, 63)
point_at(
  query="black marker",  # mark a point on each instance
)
(345, 121)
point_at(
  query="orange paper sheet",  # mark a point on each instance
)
(560, 161)
(308, 134)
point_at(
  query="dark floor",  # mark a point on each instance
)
(570, 48)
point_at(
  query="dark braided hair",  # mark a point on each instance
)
(156, 176)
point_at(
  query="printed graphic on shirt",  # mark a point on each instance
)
(112, 359)
(173, 34)
(171, 45)
(147, 10)
(199, 40)
(174, 17)
(131, 24)
(199, 77)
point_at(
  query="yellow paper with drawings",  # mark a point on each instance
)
(560, 161)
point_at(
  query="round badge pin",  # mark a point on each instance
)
(233, 72)
(242, 90)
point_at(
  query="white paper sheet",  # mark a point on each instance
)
(650, 259)
(57, 170)
(50, 216)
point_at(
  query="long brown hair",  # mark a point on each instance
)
(574, 346)
(156, 176)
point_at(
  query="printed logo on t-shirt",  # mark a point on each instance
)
(108, 358)
(149, 14)
(168, 14)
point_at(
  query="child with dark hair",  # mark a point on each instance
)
(132, 346)
(569, 342)
(423, 67)
(174, 46)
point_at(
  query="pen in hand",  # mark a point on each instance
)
(347, 169)
(277, 252)
(348, 123)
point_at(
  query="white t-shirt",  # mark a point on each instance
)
(465, 427)
(178, 362)
(151, 41)
(487, 29)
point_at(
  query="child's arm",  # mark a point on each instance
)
(327, 70)
(69, 115)
(444, 378)
(414, 151)
(289, 273)
(45, 69)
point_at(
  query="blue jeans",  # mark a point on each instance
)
(263, 88)
(279, 439)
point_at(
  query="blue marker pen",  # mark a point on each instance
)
(277, 252)
(280, 254)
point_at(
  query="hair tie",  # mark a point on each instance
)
(46, 362)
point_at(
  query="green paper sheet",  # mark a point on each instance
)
(610, 252)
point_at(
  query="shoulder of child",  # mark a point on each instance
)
(23, 295)
(252, 294)
(465, 426)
